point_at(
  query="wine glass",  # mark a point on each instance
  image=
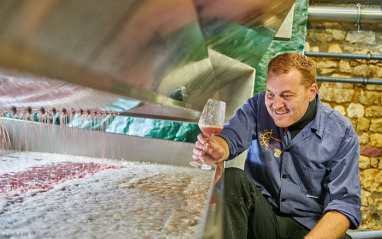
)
(211, 122)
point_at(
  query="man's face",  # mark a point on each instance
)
(286, 99)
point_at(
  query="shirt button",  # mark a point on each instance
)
(285, 176)
(283, 200)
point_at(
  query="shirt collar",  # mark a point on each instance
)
(317, 126)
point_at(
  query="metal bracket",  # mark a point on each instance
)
(358, 17)
(365, 81)
(368, 56)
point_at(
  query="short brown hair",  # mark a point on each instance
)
(285, 62)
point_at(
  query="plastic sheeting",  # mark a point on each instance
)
(159, 129)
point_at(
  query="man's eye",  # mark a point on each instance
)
(287, 96)
(269, 95)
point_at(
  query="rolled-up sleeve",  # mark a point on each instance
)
(343, 180)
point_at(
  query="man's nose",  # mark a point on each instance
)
(278, 102)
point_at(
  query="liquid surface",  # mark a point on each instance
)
(210, 130)
(46, 176)
(123, 200)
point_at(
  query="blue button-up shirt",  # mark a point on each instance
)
(315, 172)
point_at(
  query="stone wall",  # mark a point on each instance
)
(362, 104)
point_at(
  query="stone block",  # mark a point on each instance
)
(364, 162)
(340, 109)
(332, 25)
(363, 123)
(373, 111)
(341, 85)
(378, 204)
(364, 201)
(315, 49)
(334, 48)
(361, 70)
(363, 138)
(337, 34)
(345, 66)
(325, 71)
(376, 140)
(329, 93)
(307, 47)
(370, 97)
(354, 63)
(355, 110)
(374, 162)
(370, 201)
(374, 70)
(371, 151)
(327, 64)
(348, 48)
(363, 37)
(375, 87)
(365, 193)
(325, 36)
(371, 179)
(376, 125)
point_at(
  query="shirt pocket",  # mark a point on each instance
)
(312, 182)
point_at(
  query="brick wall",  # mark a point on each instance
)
(361, 104)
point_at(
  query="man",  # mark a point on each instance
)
(301, 176)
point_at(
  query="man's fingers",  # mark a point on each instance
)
(197, 153)
(202, 138)
(196, 157)
(199, 145)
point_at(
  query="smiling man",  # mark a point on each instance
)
(301, 177)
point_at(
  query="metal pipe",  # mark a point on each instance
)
(350, 14)
(366, 234)
(366, 56)
(363, 81)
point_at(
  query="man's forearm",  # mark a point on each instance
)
(332, 225)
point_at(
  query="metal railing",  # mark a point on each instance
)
(363, 80)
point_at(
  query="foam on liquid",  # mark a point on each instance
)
(133, 200)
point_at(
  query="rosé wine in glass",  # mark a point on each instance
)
(210, 131)
(211, 122)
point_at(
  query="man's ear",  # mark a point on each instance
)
(313, 92)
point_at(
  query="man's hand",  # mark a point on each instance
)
(216, 149)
